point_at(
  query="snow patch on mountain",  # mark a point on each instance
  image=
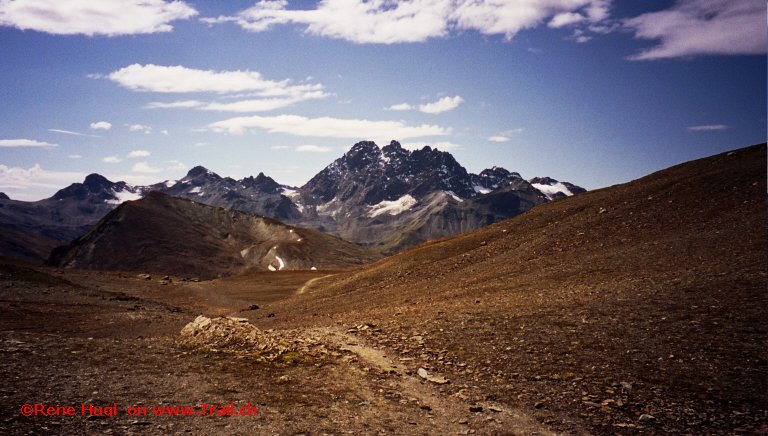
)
(481, 190)
(123, 196)
(290, 193)
(393, 207)
(551, 190)
(454, 196)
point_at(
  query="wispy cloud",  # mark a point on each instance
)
(101, 125)
(506, 135)
(565, 19)
(175, 165)
(400, 107)
(442, 105)
(702, 27)
(103, 17)
(180, 79)
(139, 153)
(140, 128)
(69, 132)
(112, 159)
(12, 143)
(499, 138)
(387, 22)
(253, 105)
(143, 167)
(313, 148)
(27, 183)
(709, 127)
(327, 127)
(265, 95)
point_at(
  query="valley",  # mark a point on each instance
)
(634, 309)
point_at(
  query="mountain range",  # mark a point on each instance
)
(384, 198)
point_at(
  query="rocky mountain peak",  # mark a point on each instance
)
(97, 182)
(199, 171)
(262, 183)
(362, 154)
(95, 187)
(3, 196)
(543, 180)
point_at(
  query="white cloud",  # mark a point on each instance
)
(702, 27)
(139, 153)
(279, 147)
(102, 17)
(328, 127)
(140, 128)
(8, 143)
(183, 104)
(565, 19)
(112, 159)
(34, 183)
(313, 148)
(254, 105)
(175, 165)
(101, 125)
(400, 107)
(388, 22)
(505, 136)
(709, 127)
(69, 132)
(75, 156)
(143, 167)
(442, 105)
(440, 145)
(180, 79)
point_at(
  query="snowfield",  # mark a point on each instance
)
(393, 207)
(550, 190)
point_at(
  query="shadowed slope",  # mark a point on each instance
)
(175, 236)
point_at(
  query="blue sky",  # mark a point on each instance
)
(595, 92)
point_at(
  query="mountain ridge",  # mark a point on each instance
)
(370, 195)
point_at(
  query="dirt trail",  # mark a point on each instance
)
(310, 282)
(448, 412)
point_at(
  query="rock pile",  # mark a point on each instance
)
(238, 336)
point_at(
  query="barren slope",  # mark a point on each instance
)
(175, 236)
(647, 298)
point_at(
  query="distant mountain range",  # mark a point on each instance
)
(384, 198)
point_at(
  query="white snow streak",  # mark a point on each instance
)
(282, 264)
(550, 190)
(123, 196)
(394, 207)
(455, 197)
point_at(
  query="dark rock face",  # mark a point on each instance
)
(260, 195)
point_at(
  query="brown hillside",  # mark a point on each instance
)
(169, 235)
(646, 298)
